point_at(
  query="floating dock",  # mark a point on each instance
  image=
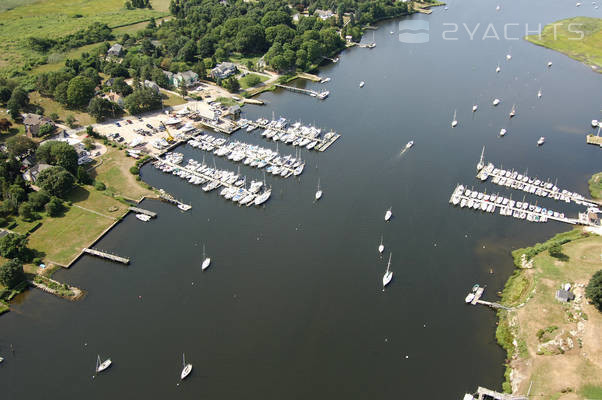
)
(312, 93)
(594, 139)
(477, 300)
(143, 211)
(322, 145)
(107, 256)
(508, 207)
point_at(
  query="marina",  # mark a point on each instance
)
(490, 203)
(250, 155)
(233, 186)
(295, 135)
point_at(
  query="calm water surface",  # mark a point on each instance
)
(292, 305)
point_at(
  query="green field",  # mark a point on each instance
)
(561, 36)
(245, 85)
(56, 18)
(595, 186)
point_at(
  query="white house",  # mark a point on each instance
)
(223, 70)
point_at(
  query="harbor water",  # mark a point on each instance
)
(292, 305)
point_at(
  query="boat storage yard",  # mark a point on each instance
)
(233, 185)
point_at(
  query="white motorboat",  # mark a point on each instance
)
(498, 69)
(388, 214)
(508, 56)
(409, 144)
(381, 246)
(541, 141)
(388, 273)
(186, 368)
(595, 123)
(549, 64)
(143, 217)
(502, 132)
(262, 198)
(454, 121)
(513, 111)
(101, 366)
(469, 298)
(498, 8)
(475, 107)
(362, 83)
(206, 261)
(184, 207)
(318, 195)
(496, 102)
(539, 94)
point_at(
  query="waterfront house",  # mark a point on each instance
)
(564, 295)
(115, 51)
(223, 70)
(33, 123)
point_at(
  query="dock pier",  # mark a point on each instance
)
(477, 300)
(143, 211)
(107, 256)
(322, 145)
(313, 93)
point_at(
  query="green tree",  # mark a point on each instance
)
(13, 246)
(54, 207)
(46, 129)
(556, 250)
(80, 91)
(54, 117)
(593, 291)
(5, 93)
(17, 102)
(57, 181)
(26, 211)
(58, 153)
(142, 100)
(19, 145)
(16, 194)
(101, 108)
(11, 273)
(38, 200)
(60, 92)
(83, 176)
(89, 143)
(70, 120)
(252, 80)
(5, 125)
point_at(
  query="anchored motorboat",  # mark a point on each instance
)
(388, 214)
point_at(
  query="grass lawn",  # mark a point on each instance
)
(244, 83)
(50, 106)
(557, 344)
(114, 172)
(595, 186)
(587, 49)
(56, 18)
(62, 238)
(172, 99)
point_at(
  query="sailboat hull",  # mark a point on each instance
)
(387, 278)
(186, 371)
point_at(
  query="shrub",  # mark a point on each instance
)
(54, 207)
(593, 291)
(11, 273)
(99, 186)
(134, 170)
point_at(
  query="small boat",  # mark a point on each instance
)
(541, 141)
(143, 217)
(549, 64)
(101, 366)
(475, 287)
(595, 123)
(184, 207)
(496, 102)
(409, 144)
(508, 57)
(362, 83)
(454, 121)
(475, 107)
(513, 111)
(498, 69)
(498, 8)
(502, 132)
(186, 368)
(391, 32)
(539, 94)
(318, 195)
(388, 273)
(206, 261)
(469, 298)
(388, 214)
(381, 246)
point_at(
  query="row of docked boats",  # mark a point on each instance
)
(251, 155)
(234, 186)
(296, 134)
(472, 199)
(515, 180)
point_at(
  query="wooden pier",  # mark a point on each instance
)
(594, 139)
(226, 127)
(322, 145)
(313, 93)
(477, 300)
(483, 394)
(143, 211)
(107, 256)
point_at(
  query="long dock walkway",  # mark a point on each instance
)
(477, 300)
(107, 256)
(507, 207)
(312, 93)
(143, 211)
(322, 145)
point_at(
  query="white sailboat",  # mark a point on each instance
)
(388, 273)
(388, 214)
(502, 132)
(186, 368)
(498, 69)
(318, 195)
(381, 246)
(101, 366)
(508, 56)
(206, 261)
(362, 83)
(513, 111)
(454, 121)
(541, 141)
(549, 64)
(481, 162)
(496, 101)
(475, 107)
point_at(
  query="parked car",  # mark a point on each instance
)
(149, 126)
(129, 122)
(117, 123)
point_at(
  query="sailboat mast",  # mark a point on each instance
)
(389, 264)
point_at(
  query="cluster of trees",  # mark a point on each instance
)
(131, 4)
(15, 98)
(74, 85)
(94, 33)
(14, 248)
(593, 291)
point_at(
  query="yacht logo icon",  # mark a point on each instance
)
(416, 31)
